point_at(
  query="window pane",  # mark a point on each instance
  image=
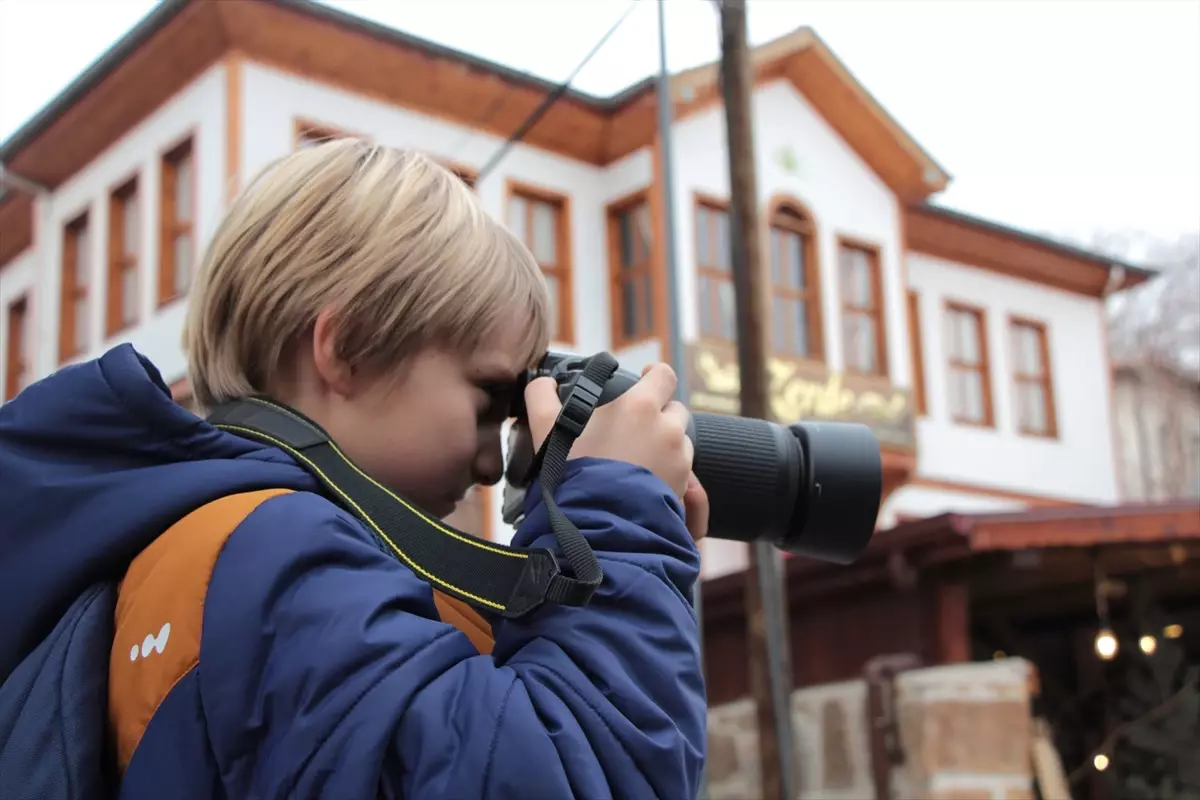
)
(968, 338)
(861, 277)
(545, 237)
(1028, 351)
(708, 325)
(183, 262)
(625, 235)
(780, 325)
(800, 327)
(722, 254)
(728, 311)
(552, 287)
(183, 189)
(26, 334)
(83, 258)
(516, 218)
(704, 256)
(644, 234)
(777, 253)
(866, 343)
(848, 269)
(957, 393)
(130, 228)
(129, 298)
(973, 399)
(790, 325)
(629, 308)
(647, 320)
(860, 342)
(81, 324)
(1033, 407)
(795, 261)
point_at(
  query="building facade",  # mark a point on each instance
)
(977, 352)
(1157, 418)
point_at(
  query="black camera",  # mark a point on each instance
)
(810, 488)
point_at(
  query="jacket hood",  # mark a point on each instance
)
(96, 461)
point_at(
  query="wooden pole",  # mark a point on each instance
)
(770, 667)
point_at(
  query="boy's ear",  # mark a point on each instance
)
(334, 372)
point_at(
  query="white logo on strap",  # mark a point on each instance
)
(152, 643)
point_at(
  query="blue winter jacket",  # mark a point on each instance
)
(314, 664)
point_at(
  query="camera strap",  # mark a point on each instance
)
(510, 581)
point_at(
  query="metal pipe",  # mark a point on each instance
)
(666, 177)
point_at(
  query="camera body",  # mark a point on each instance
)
(809, 488)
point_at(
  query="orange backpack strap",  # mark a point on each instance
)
(160, 610)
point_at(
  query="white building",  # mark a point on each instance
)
(996, 337)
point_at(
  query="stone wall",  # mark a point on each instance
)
(965, 730)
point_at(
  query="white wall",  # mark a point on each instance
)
(1078, 464)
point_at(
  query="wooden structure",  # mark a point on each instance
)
(959, 587)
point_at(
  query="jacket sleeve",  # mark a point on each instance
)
(325, 672)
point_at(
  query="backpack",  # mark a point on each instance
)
(55, 738)
(54, 708)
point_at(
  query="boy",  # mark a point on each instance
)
(283, 654)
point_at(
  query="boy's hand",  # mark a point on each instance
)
(644, 426)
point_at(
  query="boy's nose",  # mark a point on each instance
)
(489, 463)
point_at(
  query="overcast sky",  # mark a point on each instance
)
(1058, 117)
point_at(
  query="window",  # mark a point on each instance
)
(795, 285)
(177, 217)
(540, 220)
(18, 362)
(1031, 374)
(76, 270)
(124, 244)
(862, 309)
(967, 375)
(630, 271)
(717, 311)
(918, 353)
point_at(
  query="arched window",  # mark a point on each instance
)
(795, 285)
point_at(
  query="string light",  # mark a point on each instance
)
(1106, 644)
(1100, 762)
(1173, 631)
(1148, 644)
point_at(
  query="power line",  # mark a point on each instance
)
(551, 98)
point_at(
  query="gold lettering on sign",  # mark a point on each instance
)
(800, 391)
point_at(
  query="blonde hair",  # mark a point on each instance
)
(395, 243)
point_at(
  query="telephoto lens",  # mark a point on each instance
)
(809, 488)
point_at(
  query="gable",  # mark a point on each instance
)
(811, 67)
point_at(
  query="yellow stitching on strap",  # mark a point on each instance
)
(404, 556)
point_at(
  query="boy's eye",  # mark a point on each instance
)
(494, 405)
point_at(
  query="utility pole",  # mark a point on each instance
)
(770, 665)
